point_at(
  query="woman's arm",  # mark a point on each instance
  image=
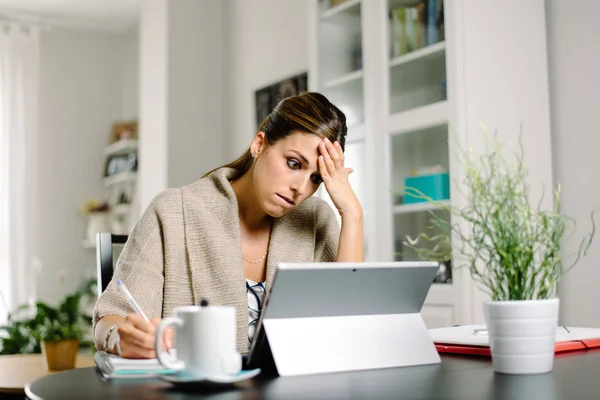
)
(102, 330)
(141, 268)
(351, 245)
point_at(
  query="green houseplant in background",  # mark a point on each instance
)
(57, 332)
(513, 250)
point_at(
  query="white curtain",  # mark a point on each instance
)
(19, 89)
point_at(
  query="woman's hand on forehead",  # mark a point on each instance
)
(335, 177)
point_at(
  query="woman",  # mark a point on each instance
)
(231, 228)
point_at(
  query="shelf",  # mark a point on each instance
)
(120, 178)
(121, 147)
(425, 53)
(393, 4)
(352, 76)
(419, 118)
(349, 6)
(419, 207)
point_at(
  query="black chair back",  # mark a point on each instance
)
(104, 257)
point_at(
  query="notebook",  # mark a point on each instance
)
(473, 339)
(113, 366)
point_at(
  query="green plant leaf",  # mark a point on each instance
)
(512, 249)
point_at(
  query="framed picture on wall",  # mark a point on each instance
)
(120, 163)
(267, 97)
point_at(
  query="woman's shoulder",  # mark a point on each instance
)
(202, 186)
(167, 198)
(214, 183)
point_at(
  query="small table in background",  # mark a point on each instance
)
(19, 369)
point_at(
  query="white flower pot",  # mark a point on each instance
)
(522, 335)
(97, 222)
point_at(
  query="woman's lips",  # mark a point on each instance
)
(286, 200)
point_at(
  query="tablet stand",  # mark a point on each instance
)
(302, 346)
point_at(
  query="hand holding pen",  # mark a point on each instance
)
(136, 333)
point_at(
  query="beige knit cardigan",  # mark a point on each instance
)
(187, 247)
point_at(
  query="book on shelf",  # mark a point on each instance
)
(415, 27)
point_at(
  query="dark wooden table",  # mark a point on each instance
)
(576, 375)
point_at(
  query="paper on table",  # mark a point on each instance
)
(112, 365)
(465, 334)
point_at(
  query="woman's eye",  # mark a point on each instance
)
(316, 179)
(293, 164)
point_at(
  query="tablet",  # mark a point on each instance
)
(328, 296)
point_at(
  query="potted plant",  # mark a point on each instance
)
(513, 250)
(58, 333)
(97, 212)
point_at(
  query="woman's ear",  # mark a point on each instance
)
(259, 143)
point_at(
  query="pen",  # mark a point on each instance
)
(131, 299)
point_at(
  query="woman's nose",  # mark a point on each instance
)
(300, 185)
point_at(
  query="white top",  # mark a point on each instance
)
(256, 295)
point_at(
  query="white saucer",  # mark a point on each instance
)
(184, 378)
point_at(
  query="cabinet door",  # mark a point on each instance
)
(420, 160)
(417, 54)
(339, 55)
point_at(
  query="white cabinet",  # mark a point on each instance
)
(409, 91)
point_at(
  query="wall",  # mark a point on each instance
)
(268, 41)
(574, 63)
(152, 153)
(195, 89)
(181, 93)
(81, 95)
(129, 61)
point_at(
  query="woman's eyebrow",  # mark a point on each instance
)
(301, 156)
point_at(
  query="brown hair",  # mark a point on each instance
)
(308, 112)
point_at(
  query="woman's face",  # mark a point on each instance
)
(286, 173)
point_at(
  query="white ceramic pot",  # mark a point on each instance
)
(97, 222)
(522, 335)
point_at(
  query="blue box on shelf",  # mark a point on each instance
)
(436, 186)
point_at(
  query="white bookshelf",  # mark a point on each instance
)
(421, 55)
(122, 177)
(403, 110)
(120, 147)
(418, 207)
(342, 80)
(419, 118)
(119, 186)
(347, 7)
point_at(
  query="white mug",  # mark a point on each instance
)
(206, 341)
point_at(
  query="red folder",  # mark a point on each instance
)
(570, 339)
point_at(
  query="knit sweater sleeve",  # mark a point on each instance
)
(141, 264)
(327, 233)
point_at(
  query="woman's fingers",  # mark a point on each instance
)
(131, 334)
(136, 337)
(167, 334)
(129, 351)
(338, 147)
(323, 169)
(168, 338)
(333, 155)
